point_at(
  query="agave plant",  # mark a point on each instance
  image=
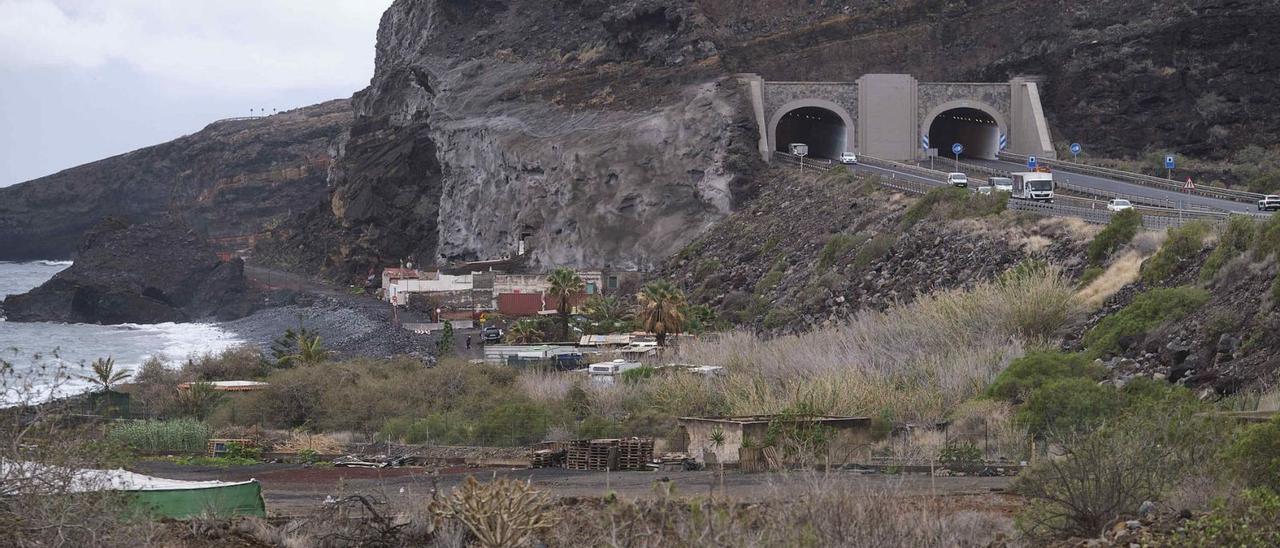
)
(105, 374)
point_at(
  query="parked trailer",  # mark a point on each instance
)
(1032, 186)
(558, 356)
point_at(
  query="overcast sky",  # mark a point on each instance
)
(82, 80)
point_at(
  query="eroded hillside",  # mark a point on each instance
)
(230, 181)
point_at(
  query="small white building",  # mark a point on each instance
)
(398, 291)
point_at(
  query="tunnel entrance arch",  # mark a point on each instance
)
(976, 126)
(823, 125)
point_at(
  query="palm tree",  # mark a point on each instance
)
(105, 374)
(565, 283)
(524, 332)
(608, 314)
(660, 306)
(310, 350)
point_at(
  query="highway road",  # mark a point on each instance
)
(1101, 183)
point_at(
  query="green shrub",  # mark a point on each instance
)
(1235, 240)
(1120, 230)
(1184, 244)
(954, 203)
(596, 427)
(513, 423)
(436, 429)
(921, 209)
(836, 247)
(771, 278)
(1252, 519)
(1105, 473)
(1090, 274)
(875, 248)
(171, 435)
(1267, 240)
(239, 451)
(1146, 312)
(1254, 457)
(960, 452)
(1068, 405)
(633, 376)
(1029, 372)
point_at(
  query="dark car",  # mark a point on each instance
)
(491, 334)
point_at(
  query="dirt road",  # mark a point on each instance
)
(291, 489)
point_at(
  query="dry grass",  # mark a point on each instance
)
(545, 386)
(1148, 242)
(1123, 271)
(813, 510)
(915, 362)
(323, 444)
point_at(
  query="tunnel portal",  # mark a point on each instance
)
(976, 130)
(823, 130)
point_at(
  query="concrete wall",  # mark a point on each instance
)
(887, 114)
(887, 106)
(1029, 133)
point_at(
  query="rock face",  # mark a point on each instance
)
(611, 133)
(588, 129)
(145, 273)
(229, 181)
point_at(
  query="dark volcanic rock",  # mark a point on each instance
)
(230, 182)
(145, 273)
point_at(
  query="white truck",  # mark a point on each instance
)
(1028, 185)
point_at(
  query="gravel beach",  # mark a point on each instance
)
(351, 325)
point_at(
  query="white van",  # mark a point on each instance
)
(958, 179)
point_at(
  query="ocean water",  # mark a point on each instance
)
(46, 358)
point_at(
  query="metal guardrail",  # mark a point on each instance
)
(1140, 179)
(1067, 186)
(940, 176)
(1152, 218)
(1102, 216)
(807, 162)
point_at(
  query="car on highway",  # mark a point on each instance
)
(1118, 204)
(848, 158)
(958, 179)
(1001, 184)
(1270, 202)
(491, 334)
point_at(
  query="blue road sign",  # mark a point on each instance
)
(1168, 162)
(924, 142)
(1075, 149)
(1004, 141)
(957, 149)
(1031, 162)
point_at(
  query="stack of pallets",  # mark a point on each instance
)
(548, 454)
(635, 453)
(592, 454)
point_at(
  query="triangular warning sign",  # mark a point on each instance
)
(1190, 185)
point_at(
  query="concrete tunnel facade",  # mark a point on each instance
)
(895, 117)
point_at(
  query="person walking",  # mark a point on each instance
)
(468, 342)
